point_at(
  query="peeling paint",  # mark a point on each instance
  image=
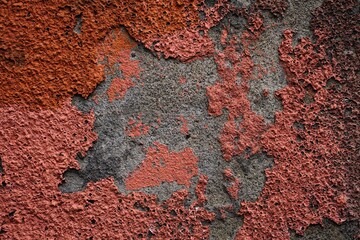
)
(234, 184)
(137, 128)
(243, 128)
(184, 127)
(161, 165)
(53, 50)
(116, 48)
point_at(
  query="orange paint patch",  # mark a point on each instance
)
(117, 48)
(115, 45)
(128, 67)
(118, 88)
(160, 165)
(148, 21)
(48, 60)
(42, 62)
(137, 128)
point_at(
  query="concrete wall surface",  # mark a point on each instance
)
(179, 119)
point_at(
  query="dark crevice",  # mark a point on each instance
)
(73, 181)
(78, 25)
(1, 167)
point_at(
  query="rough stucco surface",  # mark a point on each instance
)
(229, 119)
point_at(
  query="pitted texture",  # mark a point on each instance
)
(305, 185)
(54, 55)
(158, 168)
(276, 7)
(46, 61)
(161, 165)
(243, 127)
(336, 26)
(33, 207)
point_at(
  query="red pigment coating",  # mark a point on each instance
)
(265, 92)
(234, 187)
(243, 127)
(304, 186)
(191, 42)
(36, 147)
(225, 209)
(223, 214)
(116, 48)
(276, 7)
(95, 98)
(171, 27)
(149, 21)
(184, 127)
(200, 191)
(137, 128)
(160, 165)
(185, 45)
(42, 59)
(182, 80)
(46, 61)
(118, 88)
(336, 27)
(224, 37)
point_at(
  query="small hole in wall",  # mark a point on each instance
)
(309, 94)
(332, 83)
(12, 213)
(78, 24)
(187, 136)
(202, 15)
(73, 181)
(314, 204)
(150, 234)
(1, 167)
(298, 126)
(93, 221)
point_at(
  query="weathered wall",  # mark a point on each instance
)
(193, 119)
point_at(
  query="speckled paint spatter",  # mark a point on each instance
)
(51, 51)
